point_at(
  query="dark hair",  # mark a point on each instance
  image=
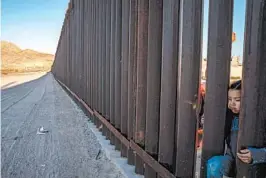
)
(229, 114)
(235, 85)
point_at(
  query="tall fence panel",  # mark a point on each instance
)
(134, 66)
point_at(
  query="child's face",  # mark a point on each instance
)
(234, 100)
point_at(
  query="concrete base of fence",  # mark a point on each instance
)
(114, 155)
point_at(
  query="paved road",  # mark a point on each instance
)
(68, 150)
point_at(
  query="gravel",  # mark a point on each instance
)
(68, 150)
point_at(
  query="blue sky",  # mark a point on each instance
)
(238, 27)
(36, 24)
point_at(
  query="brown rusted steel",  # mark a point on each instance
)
(168, 82)
(253, 99)
(107, 73)
(98, 55)
(112, 67)
(104, 59)
(99, 58)
(141, 88)
(85, 50)
(218, 70)
(153, 82)
(189, 66)
(118, 29)
(149, 160)
(132, 75)
(89, 70)
(108, 47)
(93, 84)
(112, 63)
(121, 64)
(124, 71)
(118, 14)
(142, 53)
(112, 129)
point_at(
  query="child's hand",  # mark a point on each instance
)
(245, 156)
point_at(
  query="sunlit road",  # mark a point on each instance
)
(69, 148)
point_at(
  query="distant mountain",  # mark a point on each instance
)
(15, 59)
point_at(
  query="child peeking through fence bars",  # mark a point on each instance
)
(225, 166)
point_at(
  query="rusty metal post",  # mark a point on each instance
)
(76, 6)
(103, 57)
(85, 50)
(98, 58)
(72, 48)
(118, 29)
(253, 116)
(90, 26)
(142, 53)
(82, 57)
(104, 63)
(88, 30)
(94, 71)
(168, 83)
(108, 47)
(218, 71)
(132, 73)
(153, 81)
(124, 71)
(112, 67)
(189, 67)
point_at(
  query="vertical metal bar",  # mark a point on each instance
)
(87, 31)
(85, 50)
(98, 54)
(82, 59)
(132, 72)
(124, 73)
(112, 66)
(103, 68)
(108, 47)
(218, 71)
(76, 46)
(100, 51)
(68, 46)
(189, 67)
(153, 81)
(90, 40)
(118, 69)
(142, 53)
(103, 57)
(168, 82)
(253, 116)
(72, 47)
(98, 39)
(94, 89)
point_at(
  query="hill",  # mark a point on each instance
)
(16, 60)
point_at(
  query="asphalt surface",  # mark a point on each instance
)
(68, 150)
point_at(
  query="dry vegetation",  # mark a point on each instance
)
(16, 60)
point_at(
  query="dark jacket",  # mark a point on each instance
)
(231, 134)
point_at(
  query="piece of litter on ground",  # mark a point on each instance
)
(98, 155)
(41, 131)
